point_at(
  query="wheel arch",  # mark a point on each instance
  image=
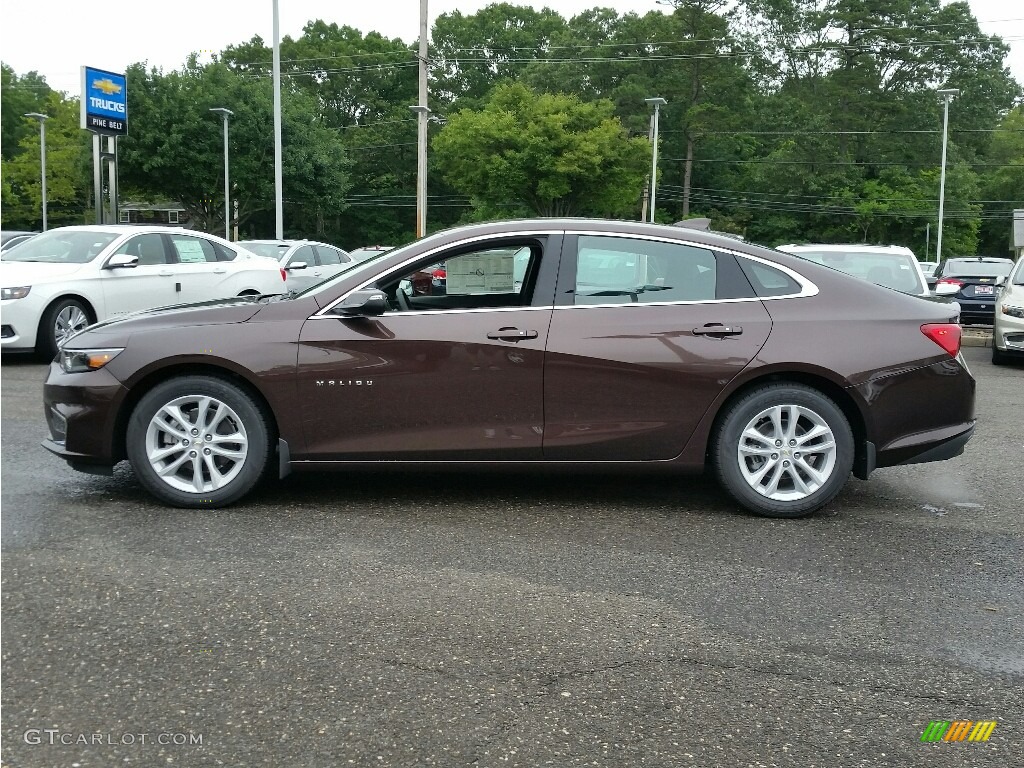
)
(838, 394)
(90, 307)
(160, 375)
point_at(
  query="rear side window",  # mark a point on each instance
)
(620, 270)
(768, 281)
(192, 250)
(223, 253)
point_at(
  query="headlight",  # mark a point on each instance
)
(15, 293)
(1013, 311)
(81, 360)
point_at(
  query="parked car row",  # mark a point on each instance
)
(58, 282)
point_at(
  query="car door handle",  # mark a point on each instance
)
(511, 334)
(717, 329)
(166, 273)
(219, 270)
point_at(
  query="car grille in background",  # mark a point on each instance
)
(6, 331)
(58, 425)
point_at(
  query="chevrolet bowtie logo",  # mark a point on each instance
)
(106, 85)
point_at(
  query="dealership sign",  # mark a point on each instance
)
(104, 102)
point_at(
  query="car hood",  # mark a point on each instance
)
(14, 274)
(217, 312)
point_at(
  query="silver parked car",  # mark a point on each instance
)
(307, 262)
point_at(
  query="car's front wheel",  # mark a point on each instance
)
(62, 320)
(783, 450)
(198, 441)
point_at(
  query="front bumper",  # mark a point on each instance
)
(20, 323)
(81, 413)
(1008, 334)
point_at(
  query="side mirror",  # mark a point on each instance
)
(296, 265)
(946, 289)
(931, 281)
(362, 303)
(1001, 281)
(122, 261)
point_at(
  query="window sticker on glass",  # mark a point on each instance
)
(487, 272)
(189, 251)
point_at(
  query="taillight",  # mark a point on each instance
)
(284, 275)
(949, 281)
(946, 335)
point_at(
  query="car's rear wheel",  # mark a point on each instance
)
(198, 441)
(61, 320)
(783, 450)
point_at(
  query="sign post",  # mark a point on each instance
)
(104, 112)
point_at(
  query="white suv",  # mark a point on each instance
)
(893, 266)
(63, 280)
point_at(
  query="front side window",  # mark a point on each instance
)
(474, 279)
(193, 250)
(303, 254)
(148, 249)
(330, 256)
(618, 270)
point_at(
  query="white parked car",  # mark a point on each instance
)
(893, 266)
(1008, 328)
(307, 262)
(63, 280)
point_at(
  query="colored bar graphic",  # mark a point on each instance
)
(935, 731)
(982, 730)
(958, 730)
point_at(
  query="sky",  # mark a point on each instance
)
(59, 36)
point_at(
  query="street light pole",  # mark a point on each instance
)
(42, 155)
(225, 113)
(947, 95)
(657, 102)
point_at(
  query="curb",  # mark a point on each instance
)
(976, 337)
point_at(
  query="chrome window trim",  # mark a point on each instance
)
(431, 252)
(444, 312)
(807, 288)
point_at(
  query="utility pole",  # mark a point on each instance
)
(226, 113)
(278, 166)
(422, 117)
(947, 94)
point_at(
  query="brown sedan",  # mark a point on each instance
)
(575, 343)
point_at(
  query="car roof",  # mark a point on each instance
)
(982, 259)
(843, 247)
(129, 228)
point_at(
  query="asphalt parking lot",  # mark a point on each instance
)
(403, 620)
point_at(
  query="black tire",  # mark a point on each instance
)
(725, 448)
(178, 487)
(49, 337)
(999, 358)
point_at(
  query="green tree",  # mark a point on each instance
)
(68, 178)
(1002, 183)
(547, 154)
(175, 149)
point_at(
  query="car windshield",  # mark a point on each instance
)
(273, 250)
(62, 247)
(892, 270)
(975, 268)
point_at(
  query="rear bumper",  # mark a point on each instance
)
(938, 447)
